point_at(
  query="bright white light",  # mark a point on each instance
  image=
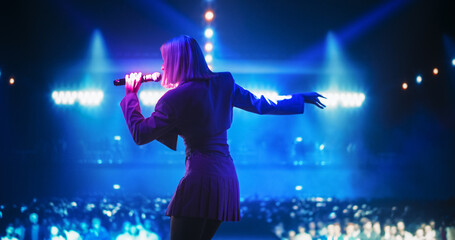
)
(343, 99)
(208, 33)
(321, 147)
(298, 139)
(208, 58)
(298, 188)
(150, 97)
(208, 47)
(86, 98)
(419, 79)
(453, 62)
(209, 15)
(117, 138)
(435, 71)
(404, 86)
(116, 186)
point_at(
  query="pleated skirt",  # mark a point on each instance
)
(209, 189)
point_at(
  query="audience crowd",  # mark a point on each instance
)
(142, 218)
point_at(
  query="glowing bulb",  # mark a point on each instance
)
(299, 139)
(208, 58)
(11, 81)
(208, 33)
(298, 188)
(209, 15)
(404, 86)
(208, 47)
(435, 71)
(419, 79)
(453, 62)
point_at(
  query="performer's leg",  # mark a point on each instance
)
(210, 229)
(185, 228)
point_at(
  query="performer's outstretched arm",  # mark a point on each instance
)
(282, 105)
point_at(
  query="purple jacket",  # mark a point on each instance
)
(200, 111)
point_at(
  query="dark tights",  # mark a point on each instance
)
(189, 228)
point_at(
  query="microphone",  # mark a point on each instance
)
(154, 77)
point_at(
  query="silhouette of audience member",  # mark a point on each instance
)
(350, 232)
(367, 233)
(9, 233)
(97, 232)
(302, 235)
(55, 234)
(34, 231)
(146, 232)
(402, 232)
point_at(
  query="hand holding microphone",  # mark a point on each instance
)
(133, 81)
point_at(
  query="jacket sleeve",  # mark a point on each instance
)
(282, 105)
(160, 125)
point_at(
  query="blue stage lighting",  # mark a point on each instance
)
(99, 161)
(116, 186)
(419, 79)
(117, 138)
(298, 139)
(344, 99)
(86, 98)
(208, 33)
(298, 188)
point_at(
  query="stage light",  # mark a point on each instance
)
(404, 86)
(298, 139)
(117, 138)
(419, 79)
(208, 58)
(209, 15)
(298, 188)
(99, 161)
(210, 67)
(116, 186)
(12, 81)
(208, 47)
(90, 98)
(435, 71)
(321, 147)
(208, 33)
(344, 99)
(453, 62)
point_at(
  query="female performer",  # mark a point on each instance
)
(199, 109)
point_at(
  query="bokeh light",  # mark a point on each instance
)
(419, 79)
(12, 81)
(208, 58)
(453, 62)
(208, 47)
(435, 71)
(404, 86)
(209, 15)
(208, 33)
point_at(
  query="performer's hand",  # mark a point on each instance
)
(133, 82)
(313, 98)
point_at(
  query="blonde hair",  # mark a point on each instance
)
(182, 61)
